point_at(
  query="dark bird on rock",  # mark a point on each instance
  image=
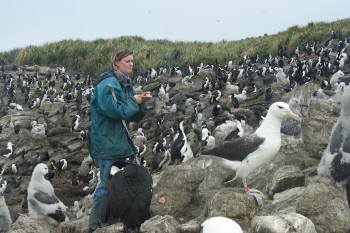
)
(74, 178)
(90, 175)
(160, 159)
(129, 196)
(250, 152)
(216, 110)
(268, 94)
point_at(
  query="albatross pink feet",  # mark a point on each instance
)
(259, 196)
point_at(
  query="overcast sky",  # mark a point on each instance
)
(37, 22)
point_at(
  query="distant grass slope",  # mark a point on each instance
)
(92, 57)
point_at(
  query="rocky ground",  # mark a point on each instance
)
(296, 198)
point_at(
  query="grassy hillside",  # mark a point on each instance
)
(94, 56)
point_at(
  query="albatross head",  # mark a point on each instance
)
(281, 109)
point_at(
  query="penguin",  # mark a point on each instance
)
(75, 123)
(216, 110)
(160, 160)
(83, 135)
(42, 201)
(157, 147)
(62, 165)
(179, 145)
(74, 179)
(90, 176)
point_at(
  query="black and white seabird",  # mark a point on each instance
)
(335, 161)
(83, 135)
(180, 149)
(7, 152)
(90, 176)
(250, 152)
(160, 159)
(62, 164)
(75, 123)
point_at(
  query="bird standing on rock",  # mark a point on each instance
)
(250, 152)
(75, 123)
(129, 196)
(180, 149)
(42, 201)
(335, 159)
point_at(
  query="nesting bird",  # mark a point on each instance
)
(291, 126)
(42, 201)
(241, 97)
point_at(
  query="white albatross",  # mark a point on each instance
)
(247, 153)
